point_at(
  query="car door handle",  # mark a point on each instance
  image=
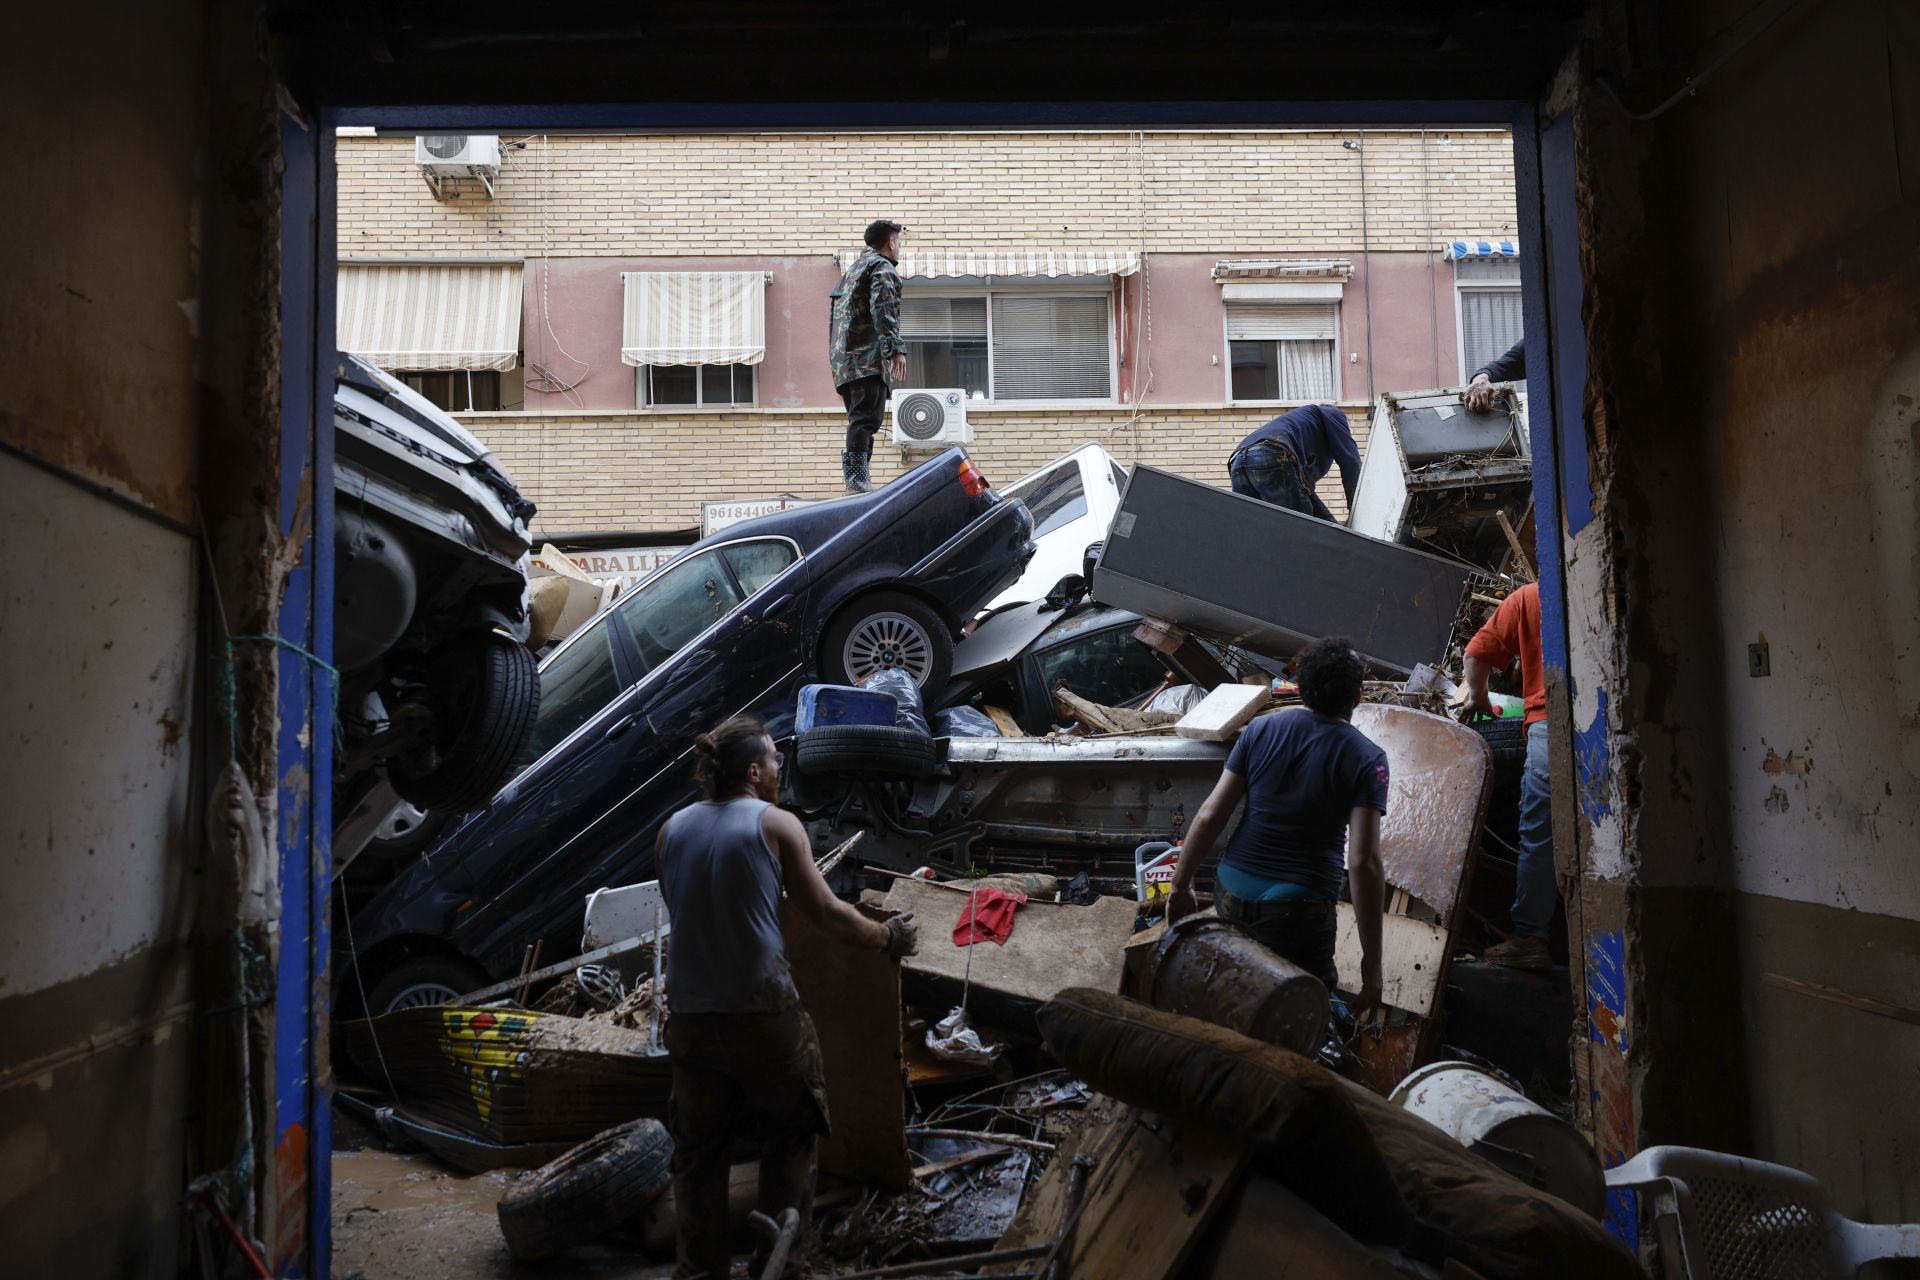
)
(776, 606)
(621, 725)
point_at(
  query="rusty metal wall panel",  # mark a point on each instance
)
(1436, 800)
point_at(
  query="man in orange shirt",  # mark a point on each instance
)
(1514, 631)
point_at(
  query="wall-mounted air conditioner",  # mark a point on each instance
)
(457, 155)
(930, 419)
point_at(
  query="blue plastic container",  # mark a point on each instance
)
(824, 704)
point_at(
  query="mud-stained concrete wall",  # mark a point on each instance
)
(1754, 426)
(102, 882)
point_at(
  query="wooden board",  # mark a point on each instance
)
(1413, 956)
(1054, 945)
(1151, 1192)
(1223, 712)
(853, 996)
(1003, 720)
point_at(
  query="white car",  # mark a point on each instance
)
(1073, 500)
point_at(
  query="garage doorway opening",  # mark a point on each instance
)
(563, 356)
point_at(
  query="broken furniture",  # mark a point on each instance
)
(1054, 945)
(1711, 1214)
(1443, 478)
(1379, 1175)
(1295, 579)
(1440, 774)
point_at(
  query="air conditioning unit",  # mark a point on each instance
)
(457, 155)
(931, 419)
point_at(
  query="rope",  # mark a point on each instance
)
(229, 685)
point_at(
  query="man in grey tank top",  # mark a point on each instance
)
(739, 1040)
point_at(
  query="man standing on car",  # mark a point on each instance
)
(1316, 788)
(1282, 461)
(864, 346)
(1514, 631)
(741, 1044)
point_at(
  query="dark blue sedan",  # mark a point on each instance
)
(736, 623)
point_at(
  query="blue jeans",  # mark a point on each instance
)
(1535, 889)
(1271, 473)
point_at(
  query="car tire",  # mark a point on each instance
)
(864, 748)
(887, 628)
(1507, 736)
(609, 1179)
(405, 834)
(485, 693)
(423, 982)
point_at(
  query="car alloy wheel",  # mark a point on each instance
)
(422, 995)
(886, 641)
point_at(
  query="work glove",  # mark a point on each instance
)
(903, 936)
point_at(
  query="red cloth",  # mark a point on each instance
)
(1514, 631)
(987, 917)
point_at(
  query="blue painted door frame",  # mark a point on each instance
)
(1550, 299)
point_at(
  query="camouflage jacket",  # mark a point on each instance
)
(864, 324)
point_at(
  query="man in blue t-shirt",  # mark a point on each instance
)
(1282, 461)
(1316, 789)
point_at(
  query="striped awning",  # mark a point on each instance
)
(1480, 249)
(431, 316)
(694, 317)
(935, 264)
(1284, 269)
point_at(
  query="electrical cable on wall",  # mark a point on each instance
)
(543, 379)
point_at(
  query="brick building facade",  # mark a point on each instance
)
(1249, 271)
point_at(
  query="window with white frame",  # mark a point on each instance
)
(1487, 293)
(698, 386)
(1282, 351)
(1010, 344)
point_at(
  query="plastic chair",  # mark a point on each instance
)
(1721, 1217)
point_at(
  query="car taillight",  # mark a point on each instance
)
(971, 480)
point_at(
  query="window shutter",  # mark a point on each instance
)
(934, 319)
(1285, 321)
(1051, 348)
(1489, 325)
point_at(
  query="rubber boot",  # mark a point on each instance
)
(853, 469)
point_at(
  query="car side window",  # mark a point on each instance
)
(1108, 667)
(1055, 498)
(576, 682)
(668, 610)
(756, 564)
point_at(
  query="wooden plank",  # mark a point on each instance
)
(1004, 721)
(1223, 712)
(1153, 1187)
(1412, 957)
(1054, 945)
(853, 996)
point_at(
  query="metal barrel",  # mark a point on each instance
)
(1493, 1119)
(1209, 968)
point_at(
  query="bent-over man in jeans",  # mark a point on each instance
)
(740, 1043)
(1316, 789)
(1282, 461)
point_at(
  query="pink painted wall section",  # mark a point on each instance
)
(572, 311)
(573, 306)
(1413, 327)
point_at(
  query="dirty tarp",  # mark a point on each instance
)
(1383, 1175)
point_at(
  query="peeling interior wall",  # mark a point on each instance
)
(1755, 416)
(109, 927)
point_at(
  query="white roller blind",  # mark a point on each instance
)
(1051, 348)
(1253, 321)
(936, 318)
(1489, 325)
(694, 317)
(430, 317)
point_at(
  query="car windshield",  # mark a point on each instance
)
(667, 611)
(1055, 499)
(575, 683)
